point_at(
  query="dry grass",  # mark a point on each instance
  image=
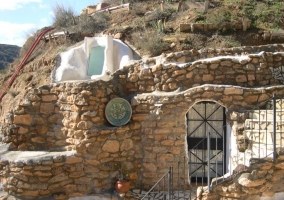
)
(149, 42)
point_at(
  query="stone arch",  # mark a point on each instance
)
(202, 117)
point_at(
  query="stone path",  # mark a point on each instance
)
(177, 195)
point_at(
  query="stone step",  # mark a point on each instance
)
(183, 194)
(263, 124)
(266, 114)
(32, 156)
(264, 137)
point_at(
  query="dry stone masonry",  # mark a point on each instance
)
(263, 180)
(75, 148)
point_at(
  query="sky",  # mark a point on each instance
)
(21, 18)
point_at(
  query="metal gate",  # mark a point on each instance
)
(202, 119)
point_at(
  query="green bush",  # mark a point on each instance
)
(272, 17)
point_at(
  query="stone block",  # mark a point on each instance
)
(185, 27)
(41, 129)
(70, 188)
(76, 174)
(280, 165)
(73, 159)
(246, 180)
(58, 178)
(23, 130)
(32, 193)
(39, 140)
(27, 173)
(179, 143)
(167, 142)
(251, 98)
(23, 119)
(150, 167)
(39, 173)
(162, 131)
(47, 108)
(230, 195)
(91, 169)
(233, 91)
(84, 188)
(127, 144)
(84, 125)
(207, 77)
(49, 98)
(241, 78)
(42, 168)
(60, 196)
(111, 146)
(44, 192)
(165, 157)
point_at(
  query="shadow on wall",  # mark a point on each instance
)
(96, 58)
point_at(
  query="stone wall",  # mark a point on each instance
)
(209, 27)
(263, 180)
(70, 117)
(193, 55)
(247, 71)
(59, 116)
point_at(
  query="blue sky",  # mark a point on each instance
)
(20, 18)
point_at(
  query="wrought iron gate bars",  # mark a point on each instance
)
(167, 191)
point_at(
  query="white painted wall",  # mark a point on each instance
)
(73, 64)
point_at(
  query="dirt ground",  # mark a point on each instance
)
(137, 20)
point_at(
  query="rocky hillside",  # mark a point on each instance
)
(151, 28)
(7, 54)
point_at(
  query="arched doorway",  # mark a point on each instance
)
(203, 118)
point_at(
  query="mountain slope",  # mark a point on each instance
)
(7, 54)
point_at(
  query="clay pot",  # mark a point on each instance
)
(122, 186)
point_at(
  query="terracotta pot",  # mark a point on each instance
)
(122, 186)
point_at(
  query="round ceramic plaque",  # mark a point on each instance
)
(118, 111)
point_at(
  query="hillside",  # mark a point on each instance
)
(151, 30)
(7, 54)
(200, 68)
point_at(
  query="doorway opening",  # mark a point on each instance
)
(96, 60)
(205, 118)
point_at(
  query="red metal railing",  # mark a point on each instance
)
(22, 64)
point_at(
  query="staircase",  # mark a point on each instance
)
(260, 129)
(259, 132)
(262, 136)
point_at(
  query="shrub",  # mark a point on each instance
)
(149, 42)
(159, 15)
(63, 16)
(90, 24)
(271, 17)
(138, 9)
(221, 16)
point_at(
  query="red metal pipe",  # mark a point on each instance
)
(22, 64)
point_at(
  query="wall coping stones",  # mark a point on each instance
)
(160, 96)
(35, 156)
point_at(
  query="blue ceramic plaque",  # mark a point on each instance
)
(118, 111)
